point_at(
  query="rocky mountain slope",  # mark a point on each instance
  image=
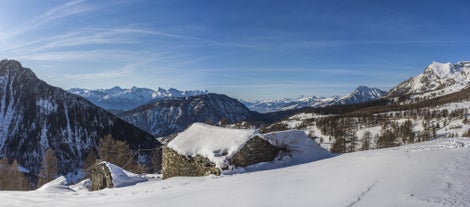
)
(35, 116)
(438, 79)
(359, 95)
(173, 115)
(119, 99)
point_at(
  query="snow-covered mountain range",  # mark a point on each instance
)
(35, 116)
(119, 99)
(173, 115)
(438, 79)
(359, 95)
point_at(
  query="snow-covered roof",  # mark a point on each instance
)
(123, 178)
(215, 143)
(304, 149)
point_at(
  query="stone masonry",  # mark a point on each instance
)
(101, 177)
(174, 164)
(256, 150)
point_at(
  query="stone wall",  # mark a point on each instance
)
(101, 177)
(256, 150)
(174, 164)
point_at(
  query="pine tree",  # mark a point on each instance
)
(89, 161)
(387, 139)
(49, 168)
(352, 144)
(339, 146)
(105, 148)
(11, 177)
(18, 178)
(366, 139)
(4, 170)
(116, 152)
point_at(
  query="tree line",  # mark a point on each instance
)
(15, 177)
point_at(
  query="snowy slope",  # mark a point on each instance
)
(35, 116)
(438, 79)
(119, 99)
(358, 95)
(434, 173)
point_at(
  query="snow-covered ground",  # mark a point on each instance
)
(435, 173)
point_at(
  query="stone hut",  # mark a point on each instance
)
(108, 175)
(203, 150)
(101, 177)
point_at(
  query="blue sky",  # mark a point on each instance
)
(245, 49)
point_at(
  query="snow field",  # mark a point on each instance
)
(435, 173)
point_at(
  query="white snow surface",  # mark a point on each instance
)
(304, 149)
(434, 173)
(123, 178)
(215, 143)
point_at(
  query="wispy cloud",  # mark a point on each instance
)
(68, 9)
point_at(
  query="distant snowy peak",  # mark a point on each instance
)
(359, 95)
(266, 106)
(117, 98)
(438, 79)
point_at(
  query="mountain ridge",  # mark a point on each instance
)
(35, 116)
(168, 116)
(121, 99)
(358, 95)
(437, 79)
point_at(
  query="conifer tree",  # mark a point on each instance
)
(11, 177)
(89, 161)
(4, 168)
(339, 146)
(366, 139)
(49, 168)
(18, 178)
(116, 152)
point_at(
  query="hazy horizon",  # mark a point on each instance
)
(245, 49)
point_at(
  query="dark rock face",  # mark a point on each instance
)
(169, 116)
(174, 164)
(35, 116)
(256, 150)
(101, 177)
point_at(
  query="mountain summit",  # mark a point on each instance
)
(438, 79)
(361, 94)
(35, 116)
